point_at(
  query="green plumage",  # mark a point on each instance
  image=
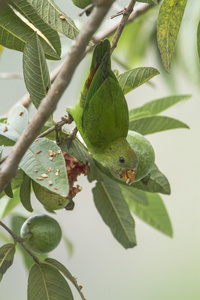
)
(101, 116)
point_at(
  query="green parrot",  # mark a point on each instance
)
(102, 118)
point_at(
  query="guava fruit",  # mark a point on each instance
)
(43, 233)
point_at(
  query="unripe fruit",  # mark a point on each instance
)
(145, 154)
(44, 231)
(48, 198)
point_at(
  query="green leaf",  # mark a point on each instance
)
(6, 258)
(198, 40)
(25, 193)
(46, 283)
(10, 203)
(114, 211)
(154, 2)
(157, 183)
(60, 267)
(18, 179)
(169, 22)
(36, 162)
(14, 33)
(27, 10)
(130, 192)
(69, 245)
(132, 79)
(152, 124)
(15, 125)
(157, 106)
(154, 214)
(8, 190)
(53, 16)
(1, 151)
(36, 73)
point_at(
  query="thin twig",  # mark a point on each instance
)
(65, 120)
(9, 167)
(111, 29)
(19, 240)
(126, 13)
(85, 10)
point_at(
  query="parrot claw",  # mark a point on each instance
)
(129, 176)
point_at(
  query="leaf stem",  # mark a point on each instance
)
(19, 240)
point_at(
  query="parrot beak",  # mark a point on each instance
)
(129, 176)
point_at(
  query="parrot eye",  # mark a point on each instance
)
(121, 160)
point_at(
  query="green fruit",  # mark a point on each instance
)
(144, 152)
(82, 3)
(48, 198)
(45, 233)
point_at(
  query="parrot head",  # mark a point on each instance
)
(120, 159)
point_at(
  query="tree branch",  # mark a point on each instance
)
(126, 13)
(9, 167)
(19, 240)
(106, 33)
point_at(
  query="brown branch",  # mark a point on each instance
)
(19, 240)
(106, 33)
(65, 120)
(9, 167)
(126, 13)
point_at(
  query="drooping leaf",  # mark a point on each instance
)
(169, 22)
(1, 151)
(152, 124)
(198, 40)
(18, 179)
(157, 183)
(6, 258)
(154, 2)
(8, 190)
(132, 79)
(25, 193)
(130, 192)
(15, 125)
(28, 11)
(36, 73)
(10, 204)
(14, 33)
(41, 162)
(61, 268)
(45, 282)
(154, 214)
(157, 106)
(69, 245)
(56, 18)
(114, 211)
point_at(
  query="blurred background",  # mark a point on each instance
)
(158, 267)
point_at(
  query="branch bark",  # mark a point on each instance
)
(9, 167)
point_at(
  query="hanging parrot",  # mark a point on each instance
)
(102, 118)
